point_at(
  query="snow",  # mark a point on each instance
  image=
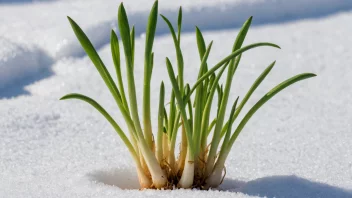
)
(298, 145)
(19, 61)
(48, 30)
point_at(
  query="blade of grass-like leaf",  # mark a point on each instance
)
(98, 63)
(198, 105)
(202, 67)
(242, 34)
(132, 35)
(189, 104)
(107, 117)
(159, 150)
(176, 125)
(204, 60)
(197, 120)
(224, 99)
(180, 106)
(200, 43)
(207, 109)
(231, 120)
(166, 119)
(221, 115)
(203, 54)
(151, 63)
(211, 82)
(157, 174)
(179, 55)
(148, 68)
(172, 114)
(225, 60)
(211, 126)
(124, 28)
(239, 41)
(255, 85)
(219, 91)
(202, 51)
(149, 41)
(93, 55)
(263, 100)
(219, 164)
(115, 51)
(126, 39)
(179, 25)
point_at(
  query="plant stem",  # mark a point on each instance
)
(187, 177)
(183, 151)
(148, 68)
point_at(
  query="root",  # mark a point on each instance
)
(169, 170)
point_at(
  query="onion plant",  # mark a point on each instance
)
(187, 115)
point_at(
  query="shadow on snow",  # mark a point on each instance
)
(23, 69)
(227, 16)
(17, 88)
(286, 186)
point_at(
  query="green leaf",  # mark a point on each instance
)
(207, 108)
(132, 35)
(242, 34)
(172, 114)
(189, 104)
(115, 51)
(166, 121)
(179, 55)
(255, 85)
(211, 126)
(93, 55)
(225, 60)
(200, 43)
(263, 100)
(148, 69)
(179, 25)
(106, 115)
(150, 35)
(180, 104)
(160, 122)
(124, 29)
(231, 120)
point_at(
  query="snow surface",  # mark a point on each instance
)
(43, 25)
(298, 145)
(19, 61)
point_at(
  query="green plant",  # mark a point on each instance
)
(198, 165)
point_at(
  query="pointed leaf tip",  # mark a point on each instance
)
(121, 7)
(70, 20)
(63, 97)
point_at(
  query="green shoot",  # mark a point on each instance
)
(187, 114)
